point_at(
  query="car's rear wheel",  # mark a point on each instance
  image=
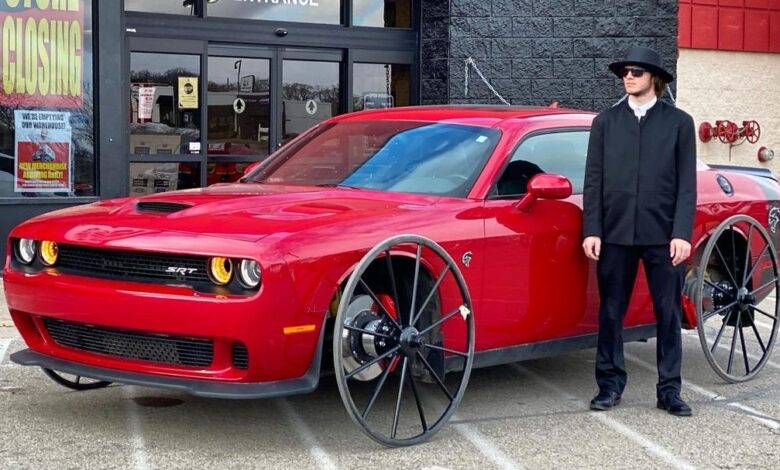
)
(736, 294)
(75, 382)
(403, 342)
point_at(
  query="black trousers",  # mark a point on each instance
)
(617, 268)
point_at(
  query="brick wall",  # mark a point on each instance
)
(537, 51)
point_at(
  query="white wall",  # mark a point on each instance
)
(737, 86)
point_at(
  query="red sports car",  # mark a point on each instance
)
(409, 245)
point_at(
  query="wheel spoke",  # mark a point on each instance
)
(379, 386)
(78, 379)
(715, 286)
(758, 336)
(747, 256)
(398, 400)
(392, 278)
(720, 333)
(372, 362)
(755, 264)
(774, 318)
(440, 348)
(756, 290)
(725, 265)
(366, 332)
(436, 376)
(378, 302)
(430, 295)
(419, 404)
(709, 315)
(440, 321)
(733, 252)
(744, 351)
(414, 284)
(733, 342)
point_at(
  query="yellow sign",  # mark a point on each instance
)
(188, 92)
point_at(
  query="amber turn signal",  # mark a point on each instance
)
(221, 270)
(49, 252)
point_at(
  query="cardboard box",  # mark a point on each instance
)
(150, 178)
(152, 144)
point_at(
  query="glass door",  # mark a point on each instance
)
(166, 115)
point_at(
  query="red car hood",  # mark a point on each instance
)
(240, 212)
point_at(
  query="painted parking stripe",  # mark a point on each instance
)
(752, 413)
(493, 453)
(651, 447)
(140, 457)
(321, 458)
(4, 344)
(691, 334)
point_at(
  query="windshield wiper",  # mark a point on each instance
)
(337, 185)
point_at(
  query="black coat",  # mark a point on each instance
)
(640, 178)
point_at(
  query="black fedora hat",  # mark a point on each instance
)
(643, 57)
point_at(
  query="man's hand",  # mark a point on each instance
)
(592, 247)
(679, 251)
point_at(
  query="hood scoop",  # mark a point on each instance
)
(160, 207)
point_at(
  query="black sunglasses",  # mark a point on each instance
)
(635, 71)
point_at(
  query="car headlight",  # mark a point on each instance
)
(249, 273)
(220, 270)
(25, 250)
(49, 252)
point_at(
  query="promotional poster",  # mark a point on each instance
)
(43, 151)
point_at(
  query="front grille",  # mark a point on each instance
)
(164, 349)
(132, 265)
(161, 207)
(240, 356)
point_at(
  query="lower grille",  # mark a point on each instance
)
(164, 349)
(240, 356)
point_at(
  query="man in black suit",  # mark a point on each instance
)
(639, 204)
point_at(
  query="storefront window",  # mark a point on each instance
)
(382, 13)
(302, 11)
(239, 106)
(377, 86)
(150, 178)
(47, 140)
(310, 94)
(175, 7)
(164, 103)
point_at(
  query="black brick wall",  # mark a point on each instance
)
(537, 51)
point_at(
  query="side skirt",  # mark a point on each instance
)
(524, 352)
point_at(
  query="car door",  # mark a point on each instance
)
(536, 284)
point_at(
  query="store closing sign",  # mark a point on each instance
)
(41, 53)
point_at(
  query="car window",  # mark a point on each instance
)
(561, 153)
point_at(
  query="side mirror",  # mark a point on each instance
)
(544, 186)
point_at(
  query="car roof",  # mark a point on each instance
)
(466, 114)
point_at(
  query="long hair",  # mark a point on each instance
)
(659, 85)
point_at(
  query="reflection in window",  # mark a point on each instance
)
(302, 11)
(150, 178)
(176, 7)
(225, 172)
(238, 106)
(379, 86)
(164, 103)
(310, 94)
(561, 153)
(47, 139)
(382, 13)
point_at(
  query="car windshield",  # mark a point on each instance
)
(404, 156)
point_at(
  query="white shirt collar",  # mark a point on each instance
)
(641, 110)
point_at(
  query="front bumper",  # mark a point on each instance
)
(202, 388)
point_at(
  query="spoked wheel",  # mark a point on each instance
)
(403, 341)
(736, 309)
(75, 382)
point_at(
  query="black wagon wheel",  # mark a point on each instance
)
(736, 309)
(403, 346)
(75, 382)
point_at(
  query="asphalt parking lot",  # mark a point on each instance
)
(526, 415)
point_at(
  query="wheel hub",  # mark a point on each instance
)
(410, 340)
(745, 299)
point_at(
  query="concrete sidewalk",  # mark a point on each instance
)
(5, 317)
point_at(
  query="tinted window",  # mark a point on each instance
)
(561, 153)
(402, 156)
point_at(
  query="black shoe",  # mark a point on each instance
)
(605, 400)
(674, 405)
